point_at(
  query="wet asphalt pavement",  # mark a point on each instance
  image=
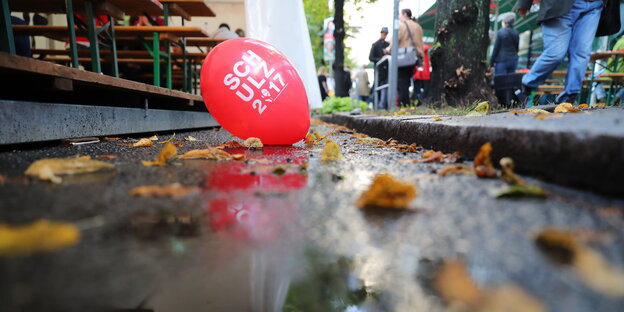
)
(254, 240)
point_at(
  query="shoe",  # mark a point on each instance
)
(523, 96)
(567, 98)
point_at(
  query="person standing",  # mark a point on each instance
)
(224, 32)
(505, 53)
(375, 55)
(322, 80)
(362, 84)
(410, 34)
(568, 28)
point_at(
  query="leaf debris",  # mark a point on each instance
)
(39, 236)
(168, 151)
(387, 192)
(483, 163)
(331, 151)
(207, 153)
(143, 143)
(169, 190)
(50, 168)
(252, 143)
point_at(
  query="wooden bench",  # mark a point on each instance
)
(141, 54)
(188, 8)
(115, 8)
(60, 32)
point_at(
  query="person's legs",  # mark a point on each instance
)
(383, 99)
(403, 85)
(510, 66)
(556, 33)
(579, 51)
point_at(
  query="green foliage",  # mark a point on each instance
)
(341, 104)
(316, 12)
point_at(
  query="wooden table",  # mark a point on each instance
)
(188, 8)
(614, 76)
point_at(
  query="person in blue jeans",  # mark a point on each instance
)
(568, 28)
(505, 53)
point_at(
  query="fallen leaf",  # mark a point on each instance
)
(428, 154)
(144, 143)
(583, 106)
(167, 140)
(431, 156)
(508, 174)
(208, 153)
(238, 156)
(231, 144)
(456, 169)
(412, 148)
(168, 151)
(481, 109)
(39, 236)
(369, 140)
(517, 190)
(331, 151)
(359, 135)
(483, 163)
(452, 158)
(169, 190)
(111, 139)
(454, 284)
(562, 248)
(253, 143)
(106, 157)
(387, 192)
(309, 139)
(153, 138)
(436, 118)
(178, 144)
(566, 108)
(50, 168)
(541, 116)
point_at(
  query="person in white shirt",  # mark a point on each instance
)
(224, 32)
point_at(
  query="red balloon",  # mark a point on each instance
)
(252, 90)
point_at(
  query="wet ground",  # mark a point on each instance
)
(260, 239)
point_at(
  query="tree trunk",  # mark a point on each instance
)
(459, 56)
(339, 35)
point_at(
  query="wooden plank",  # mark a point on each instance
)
(605, 55)
(107, 7)
(33, 66)
(120, 53)
(121, 31)
(194, 7)
(176, 10)
(207, 42)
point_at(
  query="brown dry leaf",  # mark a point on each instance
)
(566, 108)
(167, 140)
(591, 267)
(452, 158)
(331, 151)
(454, 284)
(456, 169)
(428, 154)
(178, 144)
(168, 151)
(190, 138)
(111, 139)
(231, 144)
(359, 135)
(169, 190)
(508, 174)
(431, 157)
(412, 148)
(583, 106)
(541, 116)
(253, 143)
(387, 192)
(106, 157)
(208, 153)
(39, 236)
(483, 163)
(144, 143)
(153, 138)
(50, 168)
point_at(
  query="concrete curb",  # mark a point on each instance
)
(582, 150)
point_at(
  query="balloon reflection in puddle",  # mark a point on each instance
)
(253, 206)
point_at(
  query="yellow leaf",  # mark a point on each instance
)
(39, 236)
(566, 108)
(541, 116)
(170, 190)
(168, 140)
(253, 143)
(331, 151)
(481, 109)
(153, 138)
(168, 151)
(144, 143)
(208, 153)
(190, 139)
(591, 267)
(368, 140)
(483, 163)
(50, 168)
(456, 169)
(583, 106)
(436, 118)
(387, 192)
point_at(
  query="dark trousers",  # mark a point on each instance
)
(405, 76)
(506, 67)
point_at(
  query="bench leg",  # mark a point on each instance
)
(114, 47)
(156, 55)
(73, 50)
(93, 40)
(167, 47)
(7, 42)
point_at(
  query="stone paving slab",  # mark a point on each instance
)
(584, 150)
